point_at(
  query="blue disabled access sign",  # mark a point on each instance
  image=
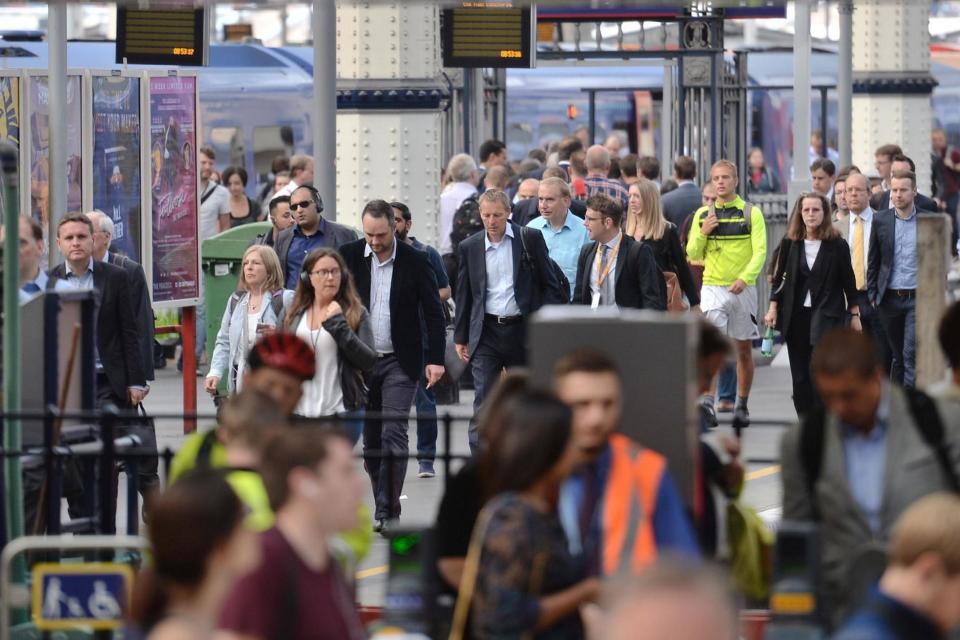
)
(92, 594)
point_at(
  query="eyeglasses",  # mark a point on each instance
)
(326, 273)
(303, 204)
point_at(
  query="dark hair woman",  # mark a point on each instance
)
(524, 577)
(243, 209)
(200, 548)
(810, 290)
(326, 312)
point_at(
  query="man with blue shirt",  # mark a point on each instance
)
(854, 467)
(312, 231)
(620, 508)
(563, 232)
(426, 400)
(892, 274)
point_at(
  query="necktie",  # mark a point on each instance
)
(604, 257)
(858, 253)
(31, 288)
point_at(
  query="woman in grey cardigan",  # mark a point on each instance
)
(327, 313)
(255, 307)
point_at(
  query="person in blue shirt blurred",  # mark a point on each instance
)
(919, 593)
(619, 486)
(563, 232)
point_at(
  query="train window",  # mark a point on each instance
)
(268, 143)
(228, 143)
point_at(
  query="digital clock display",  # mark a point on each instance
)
(172, 37)
(487, 34)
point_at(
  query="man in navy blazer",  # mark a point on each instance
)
(398, 287)
(686, 198)
(892, 274)
(503, 278)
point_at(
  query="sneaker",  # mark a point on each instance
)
(741, 417)
(426, 470)
(709, 413)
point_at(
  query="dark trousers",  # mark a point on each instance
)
(501, 346)
(800, 351)
(873, 327)
(899, 317)
(426, 422)
(391, 392)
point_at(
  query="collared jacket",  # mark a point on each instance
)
(737, 248)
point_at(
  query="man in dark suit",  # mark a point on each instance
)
(881, 201)
(686, 198)
(892, 274)
(312, 231)
(398, 286)
(103, 230)
(615, 269)
(499, 284)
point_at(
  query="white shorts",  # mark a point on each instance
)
(735, 315)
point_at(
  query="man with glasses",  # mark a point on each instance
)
(310, 232)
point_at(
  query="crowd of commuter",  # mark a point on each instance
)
(555, 505)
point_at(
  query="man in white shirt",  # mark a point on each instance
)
(464, 176)
(301, 173)
(214, 218)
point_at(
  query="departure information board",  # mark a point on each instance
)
(488, 34)
(169, 37)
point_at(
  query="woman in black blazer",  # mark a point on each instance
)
(811, 288)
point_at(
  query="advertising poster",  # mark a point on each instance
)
(40, 148)
(10, 111)
(173, 180)
(116, 159)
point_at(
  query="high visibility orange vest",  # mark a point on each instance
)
(629, 502)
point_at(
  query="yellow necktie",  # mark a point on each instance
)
(858, 253)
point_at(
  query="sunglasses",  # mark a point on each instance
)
(303, 204)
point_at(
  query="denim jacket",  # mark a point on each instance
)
(233, 335)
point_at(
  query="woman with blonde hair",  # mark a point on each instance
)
(257, 306)
(327, 312)
(645, 223)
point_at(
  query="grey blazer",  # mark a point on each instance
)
(681, 202)
(911, 472)
(335, 235)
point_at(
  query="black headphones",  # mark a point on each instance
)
(304, 274)
(314, 194)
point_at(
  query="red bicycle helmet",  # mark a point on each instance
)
(286, 352)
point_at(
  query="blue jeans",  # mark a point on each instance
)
(727, 385)
(899, 317)
(353, 425)
(426, 403)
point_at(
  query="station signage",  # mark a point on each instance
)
(168, 37)
(68, 596)
(488, 35)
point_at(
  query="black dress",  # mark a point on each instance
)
(253, 215)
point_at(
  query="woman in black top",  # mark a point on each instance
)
(811, 288)
(645, 223)
(243, 210)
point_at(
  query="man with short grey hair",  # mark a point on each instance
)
(463, 176)
(563, 232)
(597, 182)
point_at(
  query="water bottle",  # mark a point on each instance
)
(766, 347)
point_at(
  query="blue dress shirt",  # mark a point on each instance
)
(32, 287)
(300, 246)
(564, 244)
(499, 262)
(903, 275)
(866, 462)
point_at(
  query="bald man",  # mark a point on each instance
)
(597, 182)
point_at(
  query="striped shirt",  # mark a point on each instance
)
(607, 187)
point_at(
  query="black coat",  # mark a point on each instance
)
(881, 201)
(140, 297)
(831, 283)
(116, 328)
(681, 203)
(639, 283)
(413, 294)
(531, 290)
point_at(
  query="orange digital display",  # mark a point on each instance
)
(487, 34)
(172, 37)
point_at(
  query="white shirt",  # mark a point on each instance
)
(322, 395)
(381, 279)
(499, 262)
(610, 281)
(450, 200)
(286, 190)
(210, 211)
(810, 249)
(867, 216)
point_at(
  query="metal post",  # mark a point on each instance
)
(466, 105)
(845, 83)
(933, 264)
(801, 99)
(592, 114)
(57, 79)
(188, 330)
(824, 146)
(667, 116)
(325, 104)
(12, 440)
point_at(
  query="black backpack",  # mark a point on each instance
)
(557, 271)
(466, 220)
(926, 419)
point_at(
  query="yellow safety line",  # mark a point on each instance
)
(764, 472)
(372, 571)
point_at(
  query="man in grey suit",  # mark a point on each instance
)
(686, 198)
(856, 467)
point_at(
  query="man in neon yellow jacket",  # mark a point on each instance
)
(731, 238)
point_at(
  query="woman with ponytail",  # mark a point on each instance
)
(199, 548)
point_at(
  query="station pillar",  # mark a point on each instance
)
(389, 146)
(892, 82)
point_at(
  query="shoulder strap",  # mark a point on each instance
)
(811, 449)
(234, 299)
(277, 303)
(928, 421)
(468, 581)
(748, 215)
(209, 192)
(206, 450)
